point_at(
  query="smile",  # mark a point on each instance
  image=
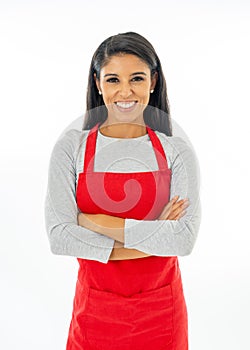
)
(125, 106)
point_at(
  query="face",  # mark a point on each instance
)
(125, 82)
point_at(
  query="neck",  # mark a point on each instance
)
(123, 130)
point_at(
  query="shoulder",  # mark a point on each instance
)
(72, 137)
(182, 154)
(175, 145)
(183, 159)
(172, 141)
(70, 141)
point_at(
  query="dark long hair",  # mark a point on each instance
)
(157, 114)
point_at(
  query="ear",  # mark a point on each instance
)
(154, 81)
(97, 82)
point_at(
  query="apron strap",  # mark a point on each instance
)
(158, 149)
(90, 150)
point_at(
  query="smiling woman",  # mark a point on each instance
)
(125, 83)
(112, 202)
(145, 69)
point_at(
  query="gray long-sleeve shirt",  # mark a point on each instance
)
(155, 237)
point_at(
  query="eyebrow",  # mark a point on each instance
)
(116, 75)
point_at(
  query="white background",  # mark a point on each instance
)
(46, 48)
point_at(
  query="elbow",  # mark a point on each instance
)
(188, 240)
(186, 250)
(55, 248)
(54, 234)
(189, 235)
(60, 246)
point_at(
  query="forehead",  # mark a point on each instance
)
(124, 63)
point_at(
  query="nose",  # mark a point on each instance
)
(125, 90)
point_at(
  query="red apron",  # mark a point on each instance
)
(130, 304)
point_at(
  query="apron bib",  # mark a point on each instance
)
(130, 304)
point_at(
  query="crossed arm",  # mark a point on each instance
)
(112, 227)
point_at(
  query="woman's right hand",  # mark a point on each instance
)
(174, 210)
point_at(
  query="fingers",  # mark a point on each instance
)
(179, 211)
(180, 215)
(168, 208)
(181, 205)
(180, 202)
(173, 209)
(166, 212)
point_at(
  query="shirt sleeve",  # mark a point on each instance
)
(171, 237)
(66, 237)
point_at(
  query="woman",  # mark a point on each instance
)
(108, 204)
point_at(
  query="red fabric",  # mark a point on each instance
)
(130, 304)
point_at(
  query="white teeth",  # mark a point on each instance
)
(125, 104)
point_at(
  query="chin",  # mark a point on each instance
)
(128, 119)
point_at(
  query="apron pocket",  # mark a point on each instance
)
(141, 321)
(108, 321)
(153, 319)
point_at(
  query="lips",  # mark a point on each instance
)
(125, 106)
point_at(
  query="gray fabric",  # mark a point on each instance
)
(156, 237)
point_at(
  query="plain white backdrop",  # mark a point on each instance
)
(46, 48)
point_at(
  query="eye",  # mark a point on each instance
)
(138, 78)
(111, 80)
